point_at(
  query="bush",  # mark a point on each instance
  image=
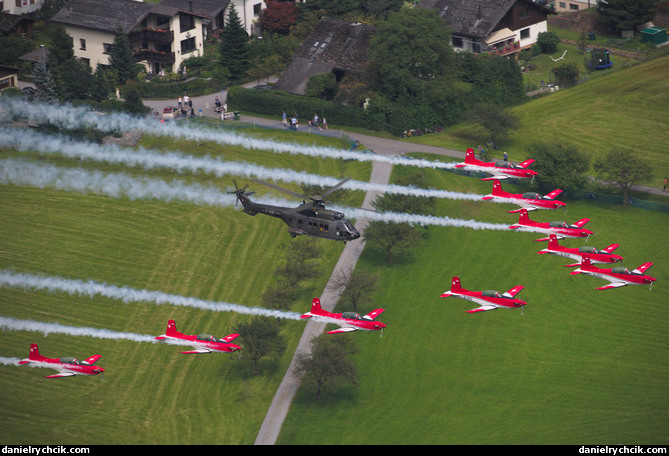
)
(273, 102)
(548, 42)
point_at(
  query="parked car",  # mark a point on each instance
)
(171, 113)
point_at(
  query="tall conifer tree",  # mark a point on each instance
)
(234, 47)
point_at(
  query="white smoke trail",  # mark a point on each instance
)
(127, 295)
(9, 361)
(24, 140)
(14, 324)
(66, 116)
(117, 185)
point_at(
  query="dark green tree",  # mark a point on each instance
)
(559, 165)
(328, 362)
(494, 120)
(121, 57)
(355, 287)
(261, 337)
(625, 14)
(391, 238)
(622, 168)
(322, 85)
(234, 47)
(45, 89)
(408, 50)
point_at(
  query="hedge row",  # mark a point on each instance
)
(272, 102)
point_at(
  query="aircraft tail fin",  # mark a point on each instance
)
(316, 309)
(469, 156)
(497, 188)
(553, 241)
(33, 355)
(456, 287)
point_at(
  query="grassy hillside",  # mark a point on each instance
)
(627, 108)
(580, 365)
(151, 394)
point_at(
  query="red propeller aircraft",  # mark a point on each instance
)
(528, 200)
(596, 256)
(619, 276)
(66, 367)
(499, 170)
(202, 343)
(348, 321)
(560, 229)
(488, 299)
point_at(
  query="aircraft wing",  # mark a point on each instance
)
(612, 285)
(553, 194)
(513, 292)
(526, 163)
(230, 338)
(495, 176)
(197, 351)
(482, 308)
(581, 223)
(641, 269)
(61, 374)
(92, 359)
(374, 313)
(346, 329)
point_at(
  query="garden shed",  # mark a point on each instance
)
(653, 35)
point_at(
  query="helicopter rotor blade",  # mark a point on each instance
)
(276, 187)
(335, 187)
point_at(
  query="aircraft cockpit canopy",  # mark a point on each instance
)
(491, 294)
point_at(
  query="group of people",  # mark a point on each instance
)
(185, 104)
(315, 122)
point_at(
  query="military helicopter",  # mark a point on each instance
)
(310, 217)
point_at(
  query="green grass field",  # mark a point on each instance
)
(579, 366)
(626, 109)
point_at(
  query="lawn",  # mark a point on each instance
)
(578, 366)
(150, 394)
(627, 109)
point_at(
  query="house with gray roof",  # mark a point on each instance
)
(162, 37)
(333, 46)
(501, 26)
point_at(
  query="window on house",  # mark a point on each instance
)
(107, 47)
(256, 9)
(457, 42)
(188, 45)
(186, 22)
(82, 44)
(524, 33)
(573, 6)
(525, 12)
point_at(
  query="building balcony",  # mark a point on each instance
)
(153, 35)
(151, 55)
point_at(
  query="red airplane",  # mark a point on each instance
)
(348, 321)
(202, 343)
(560, 229)
(488, 299)
(596, 256)
(619, 276)
(528, 200)
(499, 170)
(66, 367)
